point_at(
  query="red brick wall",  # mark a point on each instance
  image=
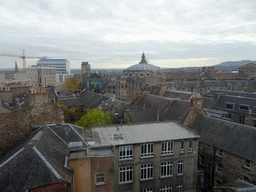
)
(102, 165)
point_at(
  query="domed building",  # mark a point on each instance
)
(136, 79)
(143, 69)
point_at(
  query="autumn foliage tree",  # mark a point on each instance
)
(95, 117)
(72, 115)
(70, 85)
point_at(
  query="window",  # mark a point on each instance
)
(179, 187)
(244, 107)
(247, 163)
(147, 150)
(245, 178)
(147, 190)
(167, 148)
(166, 188)
(100, 178)
(219, 153)
(182, 146)
(218, 167)
(166, 169)
(180, 167)
(201, 160)
(125, 174)
(146, 171)
(126, 152)
(190, 146)
(241, 119)
(230, 105)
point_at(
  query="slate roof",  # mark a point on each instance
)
(70, 102)
(95, 100)
(140, 133)
(184, 95)
(151, 106)
(237, 101)
(20, 102)
(51, 92)
(212, 92)
(208, 103)
(40, 159)
(232, 137)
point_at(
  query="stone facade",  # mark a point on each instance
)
(227, 168)
(15, 125)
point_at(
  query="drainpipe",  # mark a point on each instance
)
(213, 165)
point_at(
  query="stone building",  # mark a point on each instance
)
(103, 158)
(226, 151)
(248, 71)
(41, 76)
(136, 79)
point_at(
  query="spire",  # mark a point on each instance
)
(16, 67)
(143, 60)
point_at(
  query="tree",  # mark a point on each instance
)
(95, 117)
(71, 115)
(70, 85)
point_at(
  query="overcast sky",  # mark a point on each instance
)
(114, 33)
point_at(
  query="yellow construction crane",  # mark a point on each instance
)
(23, 57)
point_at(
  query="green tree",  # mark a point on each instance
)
(70, 85)
(95, 117)
(71, 115)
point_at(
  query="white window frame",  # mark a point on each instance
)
(167, 148)
(166, 188)
(218, 168)
(247, 164)
(146, 171)
(180, 168)
(150, 189)
(126, 174)
(147, 150)
(100, 176)
(179, 187)
(220, 153)
(190, 147)
(166, 169)
(182, 146)
(127, 152)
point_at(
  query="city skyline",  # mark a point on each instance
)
(113, 34)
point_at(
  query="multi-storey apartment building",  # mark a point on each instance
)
(148, 157)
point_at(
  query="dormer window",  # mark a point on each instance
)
(230, 105)
(244, 107)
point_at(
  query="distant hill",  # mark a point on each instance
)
(232, 65)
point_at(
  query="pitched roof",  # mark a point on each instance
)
(232, 137)
(184, 95)
(181, 75)
(211, 93)
(40, 159)
(70, 102)
(237, 102)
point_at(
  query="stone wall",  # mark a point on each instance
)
(16, 125)
(231, 166)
